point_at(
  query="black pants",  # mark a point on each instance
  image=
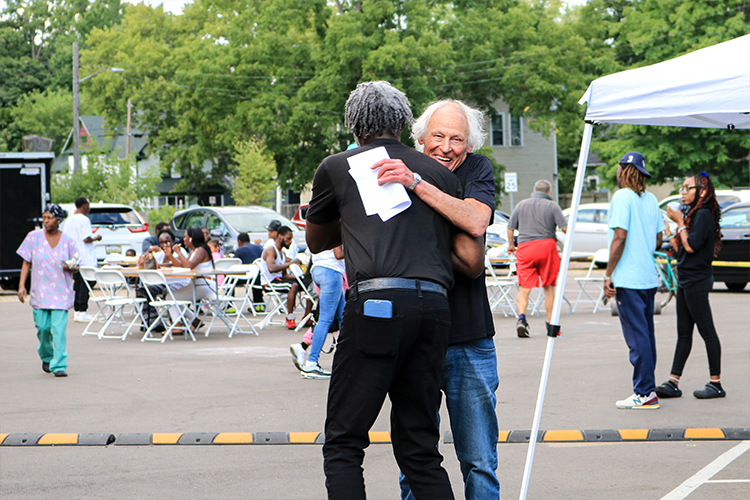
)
(402, 358)
(693, 309)
(81, 300)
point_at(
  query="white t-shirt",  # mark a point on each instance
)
(78, 227)
(328, 259)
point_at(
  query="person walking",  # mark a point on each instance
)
(535, 219)
(328, 273)
(50, 255)
(78, 226)
(697, 241)
(635, 232)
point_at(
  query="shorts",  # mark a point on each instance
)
(537, 259)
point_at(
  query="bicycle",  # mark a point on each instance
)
(665, 268)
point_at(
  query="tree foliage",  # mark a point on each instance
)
(256, 173)
(107, 178)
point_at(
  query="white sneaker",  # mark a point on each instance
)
(298, 355)
(312, 370)
(636, 402)
(84, 317)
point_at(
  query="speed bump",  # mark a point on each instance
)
(376, 437)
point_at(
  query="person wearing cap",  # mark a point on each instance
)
(635, 232)
(51, 255)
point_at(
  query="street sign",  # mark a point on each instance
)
(511, 182)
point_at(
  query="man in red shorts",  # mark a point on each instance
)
(536, 219)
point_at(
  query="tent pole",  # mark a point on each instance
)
(559, 292)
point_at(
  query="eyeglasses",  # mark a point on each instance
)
(686, 189)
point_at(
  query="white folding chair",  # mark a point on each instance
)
(88, 274)
(600, 257)
(226, 263)
(231, 306)
(303, 295)
(499, 289)
(151, 277)
(113, 283)
(275, 294)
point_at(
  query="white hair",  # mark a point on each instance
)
(542, 186)
(474, 119)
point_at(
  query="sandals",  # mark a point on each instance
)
(709, 392)
(668, 390)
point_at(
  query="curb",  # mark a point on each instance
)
(376, 437)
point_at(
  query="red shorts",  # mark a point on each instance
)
(537, 259)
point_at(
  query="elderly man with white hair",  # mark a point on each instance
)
(448, 131)
(396, 319)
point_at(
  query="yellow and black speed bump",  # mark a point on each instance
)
(376, 437)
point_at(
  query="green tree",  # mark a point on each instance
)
(256, 172)
(107, 178)
(47, 114)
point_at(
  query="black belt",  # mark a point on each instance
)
(398, 284)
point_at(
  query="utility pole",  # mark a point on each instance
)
(76, 117)
(127, 143)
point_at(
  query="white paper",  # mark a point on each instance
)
(387, 200)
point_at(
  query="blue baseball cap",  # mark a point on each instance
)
(637, 159)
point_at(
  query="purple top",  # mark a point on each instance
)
(51, 287)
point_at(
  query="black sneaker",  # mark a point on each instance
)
(45, 367)
(61, 373)
(668, 390)
(709, 392)
(522, 327)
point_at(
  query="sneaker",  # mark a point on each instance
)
(45, 367)
(314, 371)
(231, 310)
(82, 317)
(298, 355)
(709, 392)
(291, 324)
(260, 308)
(61, 373)
(522, 327)
(636, 402)
(668, 390)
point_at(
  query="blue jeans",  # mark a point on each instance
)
(469, 383)
(636, 311)
(331, 305)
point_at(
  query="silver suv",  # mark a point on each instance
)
(226, 223)
(121, 226)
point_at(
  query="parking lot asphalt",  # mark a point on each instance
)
(248, 384)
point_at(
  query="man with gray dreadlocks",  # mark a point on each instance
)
(396, 321)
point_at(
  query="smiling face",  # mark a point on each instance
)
(447, 137)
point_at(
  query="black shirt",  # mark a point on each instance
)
(696, 266)
(471, 317)
(414, 244)
(248, 252)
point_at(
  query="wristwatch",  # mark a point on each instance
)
(417, 180)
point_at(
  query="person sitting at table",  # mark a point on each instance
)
(200, 259)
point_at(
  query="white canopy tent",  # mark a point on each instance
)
(708, 88)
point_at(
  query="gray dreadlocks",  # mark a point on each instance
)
(377, 107)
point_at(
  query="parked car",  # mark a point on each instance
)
(497, 235)
(226, 223)
(300, 216)
(121, 226)
(735, 247)
(592, 224)
(725, 197)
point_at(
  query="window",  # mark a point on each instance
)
(194, 219)
(516, 131)
(498, 131)
(736, 218)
